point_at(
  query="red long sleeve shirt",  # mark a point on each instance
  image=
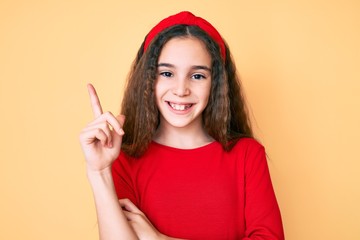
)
(203, 193)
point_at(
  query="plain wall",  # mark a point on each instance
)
(299, 62)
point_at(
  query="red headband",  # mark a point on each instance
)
(186, 18)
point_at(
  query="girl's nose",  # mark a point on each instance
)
(181, 88)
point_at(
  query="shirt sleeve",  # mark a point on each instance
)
(122, 177)
(262, 213)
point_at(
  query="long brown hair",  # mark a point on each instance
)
(225, 118)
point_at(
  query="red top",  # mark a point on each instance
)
(203, 193)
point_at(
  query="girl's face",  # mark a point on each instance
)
(183, 82)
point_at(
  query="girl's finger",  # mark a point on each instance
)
(129, 215)
(104, 127)
(111, 120)
(93, 135)
(121, 119)
(95, 102)
(135, 217)
(129, 206)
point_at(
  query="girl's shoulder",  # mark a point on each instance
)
(246, 143)
(248, 151)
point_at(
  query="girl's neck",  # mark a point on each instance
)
(183, 138)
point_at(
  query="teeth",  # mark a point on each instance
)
(179, 107)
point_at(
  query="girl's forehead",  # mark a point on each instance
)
(185, 49)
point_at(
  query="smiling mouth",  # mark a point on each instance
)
(180, 107)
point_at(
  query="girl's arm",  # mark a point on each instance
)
(262, 213)
(101, 142)
(111, 219)
(140, 223)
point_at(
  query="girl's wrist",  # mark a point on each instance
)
(98, 172)
(99, 175)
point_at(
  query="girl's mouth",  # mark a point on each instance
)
(180, 107)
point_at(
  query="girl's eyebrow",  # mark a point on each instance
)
(206, 68)
(195, 67)
(166, 65)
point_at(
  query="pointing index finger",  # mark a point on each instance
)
(95, 102)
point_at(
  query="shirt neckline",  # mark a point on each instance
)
(201, 148)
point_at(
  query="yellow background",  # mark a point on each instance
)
(300, 66)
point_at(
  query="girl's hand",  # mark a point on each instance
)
(139, 222)
(101, 139)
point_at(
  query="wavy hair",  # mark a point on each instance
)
(225, 118)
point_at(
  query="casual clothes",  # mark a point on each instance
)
(203, 193)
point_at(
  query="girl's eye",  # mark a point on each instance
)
(166, 74)
(198, 76)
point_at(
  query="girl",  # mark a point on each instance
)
(189, 166)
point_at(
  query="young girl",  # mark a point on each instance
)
(189, 167)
